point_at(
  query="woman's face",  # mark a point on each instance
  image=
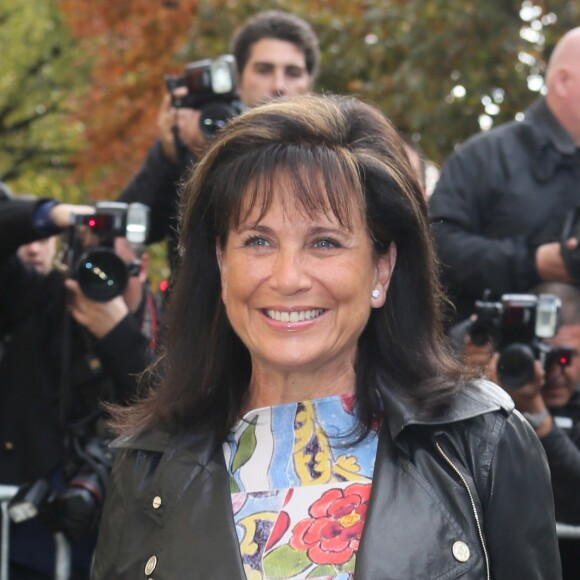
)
(297, 288)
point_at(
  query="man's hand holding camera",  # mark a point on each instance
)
(198, 104)
(528, 398)
(550, 263)
(62, 214)
(100, 306)
(99, 318)
(512, 342)
(181, 122)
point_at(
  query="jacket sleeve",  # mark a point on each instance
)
(519, 524)
(156, 185)
(125, 353)
(17, 226)
(564, 461)
(459, 207)
(16, 279)
(112, 524)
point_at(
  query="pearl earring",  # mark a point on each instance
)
(375, 294)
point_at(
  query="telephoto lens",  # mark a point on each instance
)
(515, 366)
(101, 274)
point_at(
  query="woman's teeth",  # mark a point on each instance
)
(284, 316)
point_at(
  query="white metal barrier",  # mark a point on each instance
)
(567, 531)
(63, 554)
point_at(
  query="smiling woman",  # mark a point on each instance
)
(307, 419)
(297, 287)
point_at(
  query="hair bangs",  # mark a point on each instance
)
(312, 179)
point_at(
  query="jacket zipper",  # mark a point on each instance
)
(479, 531)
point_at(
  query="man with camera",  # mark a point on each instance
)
(499, 210)
(530, 345)
(275, 54)
(67, 344)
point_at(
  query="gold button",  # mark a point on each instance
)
(8, 446)
(461, 551)
(150, 566)
(156, 502)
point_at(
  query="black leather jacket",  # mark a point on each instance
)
(465, 494)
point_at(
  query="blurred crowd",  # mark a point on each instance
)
(79, 322)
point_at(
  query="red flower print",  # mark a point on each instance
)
(333, 533)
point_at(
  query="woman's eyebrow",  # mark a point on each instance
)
(253, 227)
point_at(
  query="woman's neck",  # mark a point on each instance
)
(269, 386)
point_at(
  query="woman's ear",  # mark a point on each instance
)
(219, 252)
(384, 267)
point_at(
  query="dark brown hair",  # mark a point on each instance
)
(281, 26)
(356, 154)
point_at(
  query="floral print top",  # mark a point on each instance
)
(300, 489)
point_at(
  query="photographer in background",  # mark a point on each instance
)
(276, 54)
(40, 253)
(499, 207)
(551, 403)
(62, 355)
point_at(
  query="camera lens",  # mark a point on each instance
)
(515, 367)
(215, 116)
(101, 274)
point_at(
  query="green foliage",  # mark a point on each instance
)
(433, 67)
(406, 56)
(38, 79)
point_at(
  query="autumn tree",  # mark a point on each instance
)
(132, 45)
(442, 70)
(37, 80)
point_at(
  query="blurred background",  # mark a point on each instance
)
(80, 82)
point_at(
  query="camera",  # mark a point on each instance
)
(517, 325)
(211, 87)
(89, 252)
(75, 509)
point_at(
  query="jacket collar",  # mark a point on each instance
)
(198, 446)
(547, 123)
(475, 398)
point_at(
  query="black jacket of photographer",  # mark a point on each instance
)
(562, 446)
(32, 319)
(157, 184)
(500, 196)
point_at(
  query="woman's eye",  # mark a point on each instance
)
(256, 241)
(326, 244)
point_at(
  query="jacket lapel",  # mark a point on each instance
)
(192, 532)
(408, 529)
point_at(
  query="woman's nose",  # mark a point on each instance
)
(290, 272)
